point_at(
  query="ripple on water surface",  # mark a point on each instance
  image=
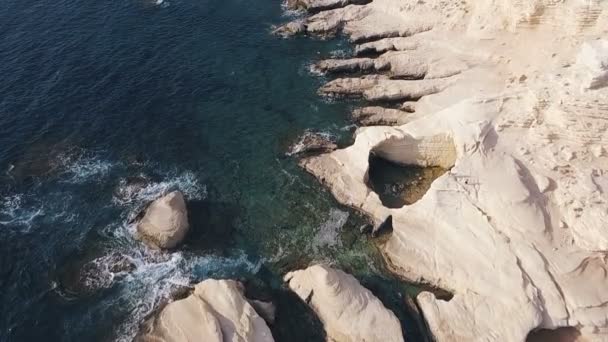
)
(107, 105)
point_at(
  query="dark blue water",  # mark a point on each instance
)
(193, 95)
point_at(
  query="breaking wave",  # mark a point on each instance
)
(156, 280)
(145, 190)
(79, 167)
(15, 214)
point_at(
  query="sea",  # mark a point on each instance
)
(106, 105)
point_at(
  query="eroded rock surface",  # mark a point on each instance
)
(217, 311)
(311, 143)
(376, 115)
(512, 97)
(349, 311)
(165, 223)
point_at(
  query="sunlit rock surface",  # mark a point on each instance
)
(511, 97)
(349, 311)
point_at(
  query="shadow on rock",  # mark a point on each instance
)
(294, 321)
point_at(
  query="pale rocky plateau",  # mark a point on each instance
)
(510, 97)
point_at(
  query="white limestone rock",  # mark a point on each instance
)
(165, 223)
(516, 228)
(349, 312)
(217, 311)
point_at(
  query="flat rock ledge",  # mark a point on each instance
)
(165, 223)
(349, 312)
(512, 97)
(217, 311)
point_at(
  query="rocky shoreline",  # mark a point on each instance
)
(482, 165)
(230, 310)
(512, 99)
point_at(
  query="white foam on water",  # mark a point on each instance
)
(158, 275)
(186, 182)
(328, 234)
(310, 69)
(81, 168)
(314, 70)
(219, 266)
(348, 128)
(15, 214)
(152, 282)
(339, 53)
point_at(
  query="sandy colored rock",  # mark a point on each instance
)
(512, 97)
(321, 5)
(216, 311)
(165, 223)
(375, 115)
(349, 312)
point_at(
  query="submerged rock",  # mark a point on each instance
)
(349, 311)
(217, 311)
(165, 222)
(96, 274)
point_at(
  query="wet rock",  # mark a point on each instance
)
(120, 263)
(311, 142)
(290, 29)
(97, 274)
(165, 222)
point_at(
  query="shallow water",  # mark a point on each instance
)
(399, 185)
(193, 95)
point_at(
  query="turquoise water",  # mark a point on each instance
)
(193, 95)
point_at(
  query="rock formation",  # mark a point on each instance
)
(349, 312)
(311, 142)
(376, 115)
(512, 97)
(165, 222)
(217, 311)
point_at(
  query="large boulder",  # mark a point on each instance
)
(349, 312)
(217, 311)
(165, 222)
